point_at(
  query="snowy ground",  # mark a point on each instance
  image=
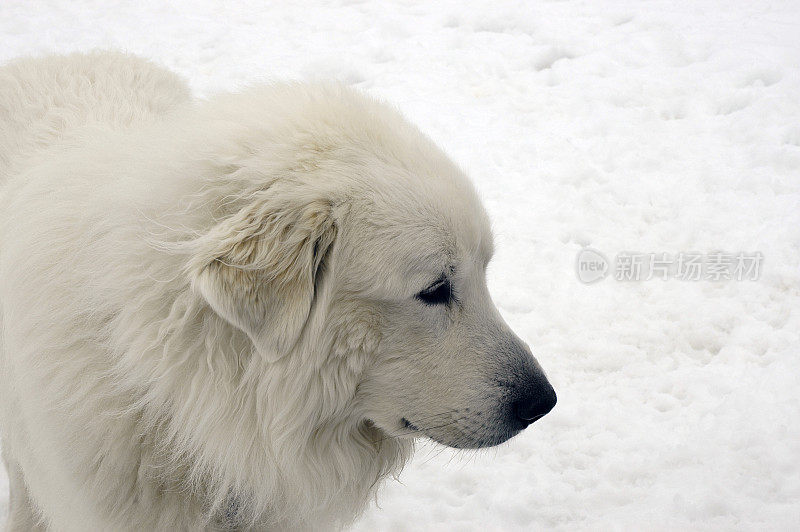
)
(624, 126)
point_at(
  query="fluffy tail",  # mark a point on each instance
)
(43, 99)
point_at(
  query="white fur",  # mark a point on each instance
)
(208, 308)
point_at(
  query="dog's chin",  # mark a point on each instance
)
(475, 441)
(459, 438)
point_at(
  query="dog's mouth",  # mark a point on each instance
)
(408, 425)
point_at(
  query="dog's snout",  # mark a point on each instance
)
(529, 394)
(534, 405)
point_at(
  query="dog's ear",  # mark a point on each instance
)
(259, 268)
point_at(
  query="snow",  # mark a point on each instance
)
(660, 127)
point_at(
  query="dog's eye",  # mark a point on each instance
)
(439, 293)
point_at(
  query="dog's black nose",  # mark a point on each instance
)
(534, 406)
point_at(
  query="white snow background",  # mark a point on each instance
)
(664, 126)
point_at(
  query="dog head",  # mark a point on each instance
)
(367, 242)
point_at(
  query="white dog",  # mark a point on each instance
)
(235, 313)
